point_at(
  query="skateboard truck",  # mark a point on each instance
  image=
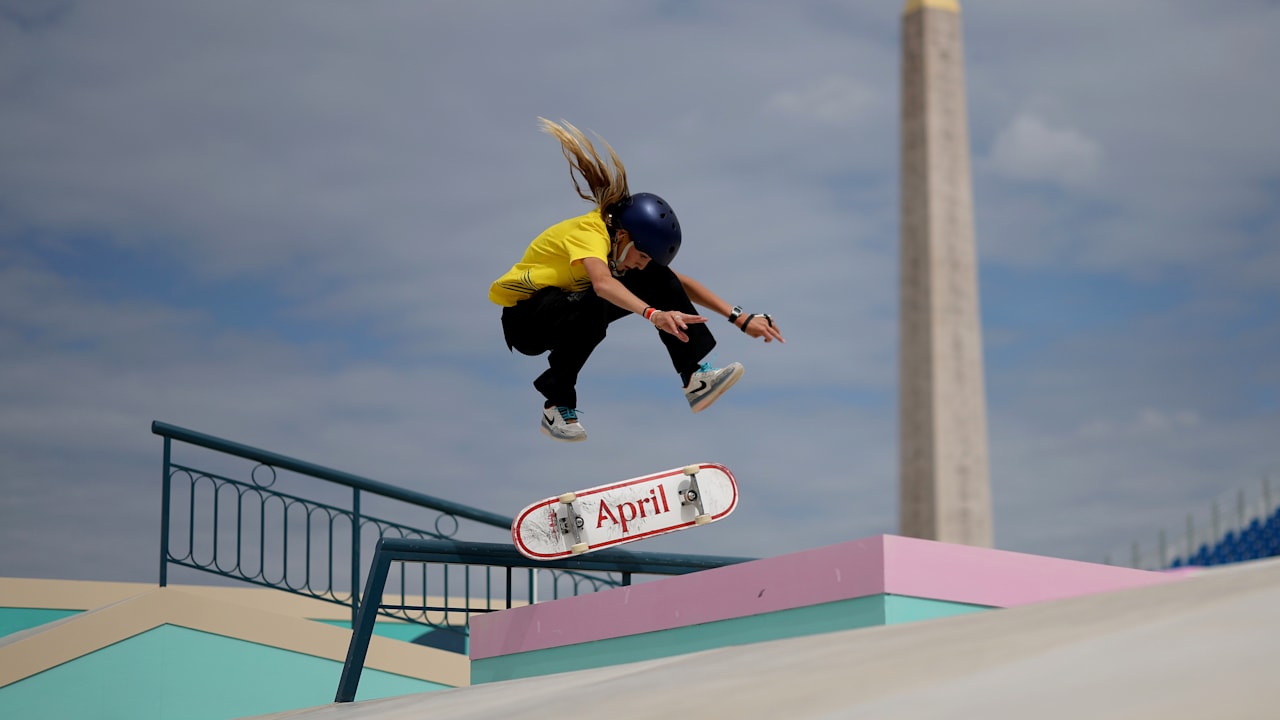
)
(690, 495)
(572, 522)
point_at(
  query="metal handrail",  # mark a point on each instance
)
(233, 553)
(391, 550)
(356, 482)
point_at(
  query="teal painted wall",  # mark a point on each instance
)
(457, 641)
(173, 672)
(900, 609)
(396, 631)
(14, 620)
(828, 617)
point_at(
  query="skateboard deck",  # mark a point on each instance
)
(626, 511)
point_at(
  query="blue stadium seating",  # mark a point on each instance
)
(1260, 539)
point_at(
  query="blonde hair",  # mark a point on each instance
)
(607, 181)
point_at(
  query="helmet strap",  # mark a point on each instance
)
(619, 257)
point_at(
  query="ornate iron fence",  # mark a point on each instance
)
(221, 517)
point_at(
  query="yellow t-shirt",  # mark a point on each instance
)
(555, 258)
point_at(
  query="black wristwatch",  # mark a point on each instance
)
(737, 312)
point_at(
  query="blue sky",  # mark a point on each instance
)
(277, 223)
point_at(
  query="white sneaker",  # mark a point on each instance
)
(708, 384)
(561, 423)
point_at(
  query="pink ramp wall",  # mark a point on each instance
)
(885, 564)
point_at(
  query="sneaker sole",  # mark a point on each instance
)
(706, 400)
(547, 431)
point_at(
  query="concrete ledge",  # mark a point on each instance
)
(881, 565)
(89, 594)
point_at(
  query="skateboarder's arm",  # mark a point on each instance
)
(608, 287)
(758, 326)
(700, 295)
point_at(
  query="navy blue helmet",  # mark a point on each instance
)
(652, 225)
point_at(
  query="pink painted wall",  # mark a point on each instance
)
(886, 564)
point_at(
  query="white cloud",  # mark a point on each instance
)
(1031, 149)
(1148, 421)
(836, 100)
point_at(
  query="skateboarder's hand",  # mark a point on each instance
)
(675, 322)
(762, 326)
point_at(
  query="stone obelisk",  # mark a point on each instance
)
(944, 487)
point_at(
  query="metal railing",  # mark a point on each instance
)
(313, 538)
(220, 518)
(490, 555)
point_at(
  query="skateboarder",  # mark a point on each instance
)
(583, 273)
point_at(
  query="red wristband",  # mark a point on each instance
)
(649, 313)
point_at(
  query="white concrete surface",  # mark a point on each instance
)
(1205, 647)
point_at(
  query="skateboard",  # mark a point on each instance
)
(623, 512)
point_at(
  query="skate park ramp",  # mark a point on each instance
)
(1201, 647)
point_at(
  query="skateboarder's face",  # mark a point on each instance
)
(635, 260)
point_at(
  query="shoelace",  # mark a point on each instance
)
(570, 415)
(708, 365)
(703, 369)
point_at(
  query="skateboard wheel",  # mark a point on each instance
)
(691, 469)
(702, 520)
(568, 498)
(578, 549)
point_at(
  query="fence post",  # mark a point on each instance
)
(355, 554)
(1191, 536)
(362, 627)
(164, 518)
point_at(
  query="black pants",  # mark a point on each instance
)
(571, 325)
